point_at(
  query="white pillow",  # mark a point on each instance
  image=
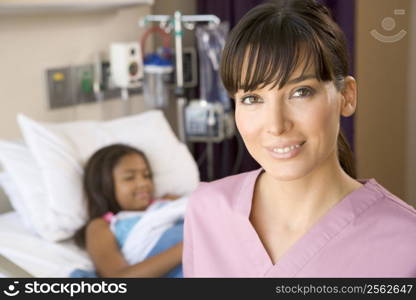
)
(14, 197)
(23, 185)
(61, 151)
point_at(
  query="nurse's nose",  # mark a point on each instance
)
(277, 120)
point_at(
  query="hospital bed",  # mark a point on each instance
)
(24, 254)
(7, 267)
(43, 249)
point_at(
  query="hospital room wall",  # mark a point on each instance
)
(32, 43)
(411, 111)
(385, 119)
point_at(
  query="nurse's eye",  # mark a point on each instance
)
(303, 92)
(250, 100)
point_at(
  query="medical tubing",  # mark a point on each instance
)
(161, 32)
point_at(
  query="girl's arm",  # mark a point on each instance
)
(170, 197)
(102, 247)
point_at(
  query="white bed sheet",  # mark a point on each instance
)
(37, 256)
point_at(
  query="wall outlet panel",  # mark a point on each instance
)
(73, 85)
(59, 87)
(82, 83)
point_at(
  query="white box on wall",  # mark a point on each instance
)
(126, 64)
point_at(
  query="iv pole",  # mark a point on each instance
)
(190, 20)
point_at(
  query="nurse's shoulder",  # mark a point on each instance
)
(223, 192)
(393, 217)
(395, 207)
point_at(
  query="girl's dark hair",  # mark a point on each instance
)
(98, 183)
(273, 39)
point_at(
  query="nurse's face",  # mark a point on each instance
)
(292, 131)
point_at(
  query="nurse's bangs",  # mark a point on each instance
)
(267, 49)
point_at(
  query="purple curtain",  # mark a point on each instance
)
(231, 11)
(344, 14)
(227, 10)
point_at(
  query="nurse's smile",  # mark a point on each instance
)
(286, 152)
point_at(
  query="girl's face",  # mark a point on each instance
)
(133, 183)
(292, 131)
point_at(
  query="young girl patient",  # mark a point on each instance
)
(119, 189)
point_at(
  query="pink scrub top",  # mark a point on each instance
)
(370, 233)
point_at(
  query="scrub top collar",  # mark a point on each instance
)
(315, 239)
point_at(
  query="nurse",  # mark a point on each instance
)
(303, 214)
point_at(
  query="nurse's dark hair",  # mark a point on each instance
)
(98, 183)
(274, 39)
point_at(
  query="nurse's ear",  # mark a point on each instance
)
(348, 96)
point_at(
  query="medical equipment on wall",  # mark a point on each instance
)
(155, 85)
(126, 66)
(209, 118)
(158, 68)
(208, 122)
(204, 119)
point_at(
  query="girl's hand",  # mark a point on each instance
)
(170, 197)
